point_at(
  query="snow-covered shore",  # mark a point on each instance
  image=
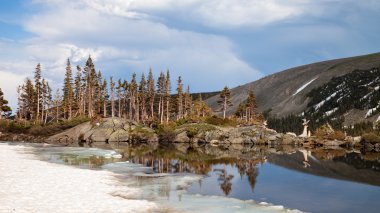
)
(30, 185)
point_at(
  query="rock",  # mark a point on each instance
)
(213, 135)
(291, 134)
(333, 143)
(238, 140)
(272, 138)
(119, 135)
(108, 130)
(182, 138)
(288, 139)
(369, 146)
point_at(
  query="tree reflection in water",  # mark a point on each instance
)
(198, 160)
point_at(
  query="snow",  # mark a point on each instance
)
(378, 119)
(370, 111)
(316, 107)
(30, 185)
(328, 113)
(304, 86)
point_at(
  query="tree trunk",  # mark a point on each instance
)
(105, 108)
(119, 112)
(167, 111)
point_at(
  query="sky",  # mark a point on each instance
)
(209, 43)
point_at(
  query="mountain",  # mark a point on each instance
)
(347, 85)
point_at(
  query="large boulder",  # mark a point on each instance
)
(107, 130)
(225, 135)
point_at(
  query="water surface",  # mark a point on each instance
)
(237, 178)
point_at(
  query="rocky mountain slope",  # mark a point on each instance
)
(289, 92)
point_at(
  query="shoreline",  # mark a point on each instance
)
(32, 185)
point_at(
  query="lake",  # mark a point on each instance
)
(235, 178)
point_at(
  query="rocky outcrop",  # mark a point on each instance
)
(107, 130)
(226, 135)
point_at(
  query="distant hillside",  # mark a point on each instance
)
(351, 98)
(300, 90)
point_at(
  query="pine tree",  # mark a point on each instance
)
(143, 97)
(78, 92)
(240, 111)
(49, 100)
(125, 98)
(225, 100)
(28, 97)
(4, 108)
(133, 97)
(187, 102)
(119, 96)
(20, 103)
(161, 82)
(38, 86)
(167, 95)
(201, 109)
(151, 93)
(98, 92)
(68, 93)
(43, 100)
(112, 87)
(105, 97)
(90, 75)
(179, 98)
(57, 103)
(251, 106)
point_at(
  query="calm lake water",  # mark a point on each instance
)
(236, 178)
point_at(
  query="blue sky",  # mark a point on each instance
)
(209, 43)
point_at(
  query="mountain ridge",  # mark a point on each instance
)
(285, 93)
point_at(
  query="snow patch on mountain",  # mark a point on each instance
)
(304, 86)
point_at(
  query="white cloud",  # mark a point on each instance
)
(118, 43)
(8, 84)
(214, 13)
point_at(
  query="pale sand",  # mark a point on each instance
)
(30, 185)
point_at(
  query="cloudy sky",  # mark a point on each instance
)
(209, 43)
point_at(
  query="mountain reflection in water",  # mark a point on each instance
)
(342, 180)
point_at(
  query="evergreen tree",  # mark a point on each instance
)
(28, 97)
(38, 86)
(43, 99)
(4, 108)
(78, 91)
(187, 102)
(49, 100)
(104, 97)
(133, 96)
(251, 106)
(119, 96)
(68, 93)
(179, 98)
(161, 82)
(225, 100)
(143, 97)
(20, 103)
(167, 95)
(90, 75)
(112, 87)
(151, 93)
(57, 103)
(201, 109)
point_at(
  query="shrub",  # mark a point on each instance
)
(323, 132)
(371, 138)
(165, 132)
(337, 135)
(214, 120)
(191, 132)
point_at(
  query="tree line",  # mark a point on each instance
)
(89, 94)
(5, 109)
